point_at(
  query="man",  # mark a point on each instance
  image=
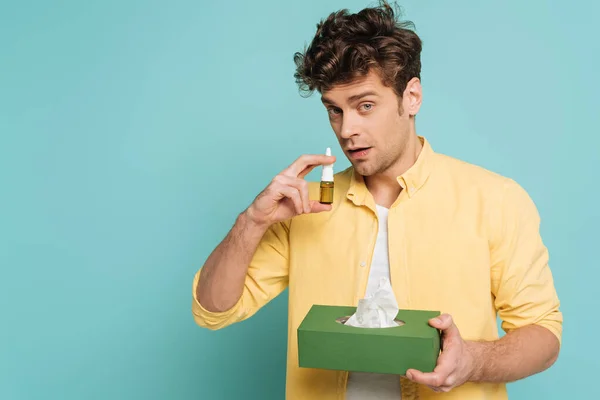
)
(450, 236)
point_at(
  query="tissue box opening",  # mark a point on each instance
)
(343, 320)
(324, 342)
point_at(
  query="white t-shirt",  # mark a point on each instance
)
(362, 385)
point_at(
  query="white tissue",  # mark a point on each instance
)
(378, 310)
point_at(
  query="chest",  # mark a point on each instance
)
(437, 260)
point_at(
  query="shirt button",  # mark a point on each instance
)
(412, 189)
(362, 264)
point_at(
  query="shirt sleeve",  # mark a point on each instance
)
(521, 280)
(266, 278)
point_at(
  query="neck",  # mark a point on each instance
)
(384, 186)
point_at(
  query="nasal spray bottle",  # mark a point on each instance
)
(327, 182)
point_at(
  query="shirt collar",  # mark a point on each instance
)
(411, 181)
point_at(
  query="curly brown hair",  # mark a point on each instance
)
(347, 46)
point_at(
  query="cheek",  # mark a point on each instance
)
(386, 126)
(337, 130)
(335, 127)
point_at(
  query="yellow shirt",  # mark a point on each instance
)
(462, 240)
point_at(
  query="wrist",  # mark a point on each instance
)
(249, 221)
(476, 357)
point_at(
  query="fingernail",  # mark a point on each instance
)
(437, 320)
(409, 375)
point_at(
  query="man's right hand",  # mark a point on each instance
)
(287, 194)
(223, 275)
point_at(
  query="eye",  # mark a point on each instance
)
(333, 111)
(367, 106)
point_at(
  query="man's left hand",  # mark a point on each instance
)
(455, 365)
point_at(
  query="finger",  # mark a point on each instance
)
(445, 323)
(446, 365)
(306, 163)
(431, 379)
(317, 207)
(301, 185)
(291, 193)
(443, 388)
(449, 383)
(307, 170)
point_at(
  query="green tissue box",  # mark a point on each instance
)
(325, 342)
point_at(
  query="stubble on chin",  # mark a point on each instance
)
(364, 168)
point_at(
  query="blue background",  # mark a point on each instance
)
(133, 133)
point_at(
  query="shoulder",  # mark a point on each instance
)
(460, 170)
(470, 175)
(497, 190)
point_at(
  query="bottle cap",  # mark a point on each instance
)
(327, 171)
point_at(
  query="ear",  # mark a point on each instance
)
(413, 96)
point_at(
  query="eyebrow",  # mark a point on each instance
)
(351, 99)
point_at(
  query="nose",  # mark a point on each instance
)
(349, 126)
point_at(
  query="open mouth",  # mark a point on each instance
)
(359, 152)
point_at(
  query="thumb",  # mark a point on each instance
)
(316, 207)
(445, 323)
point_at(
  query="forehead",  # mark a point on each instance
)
(345, 92)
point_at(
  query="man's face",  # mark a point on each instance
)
(370, 122)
